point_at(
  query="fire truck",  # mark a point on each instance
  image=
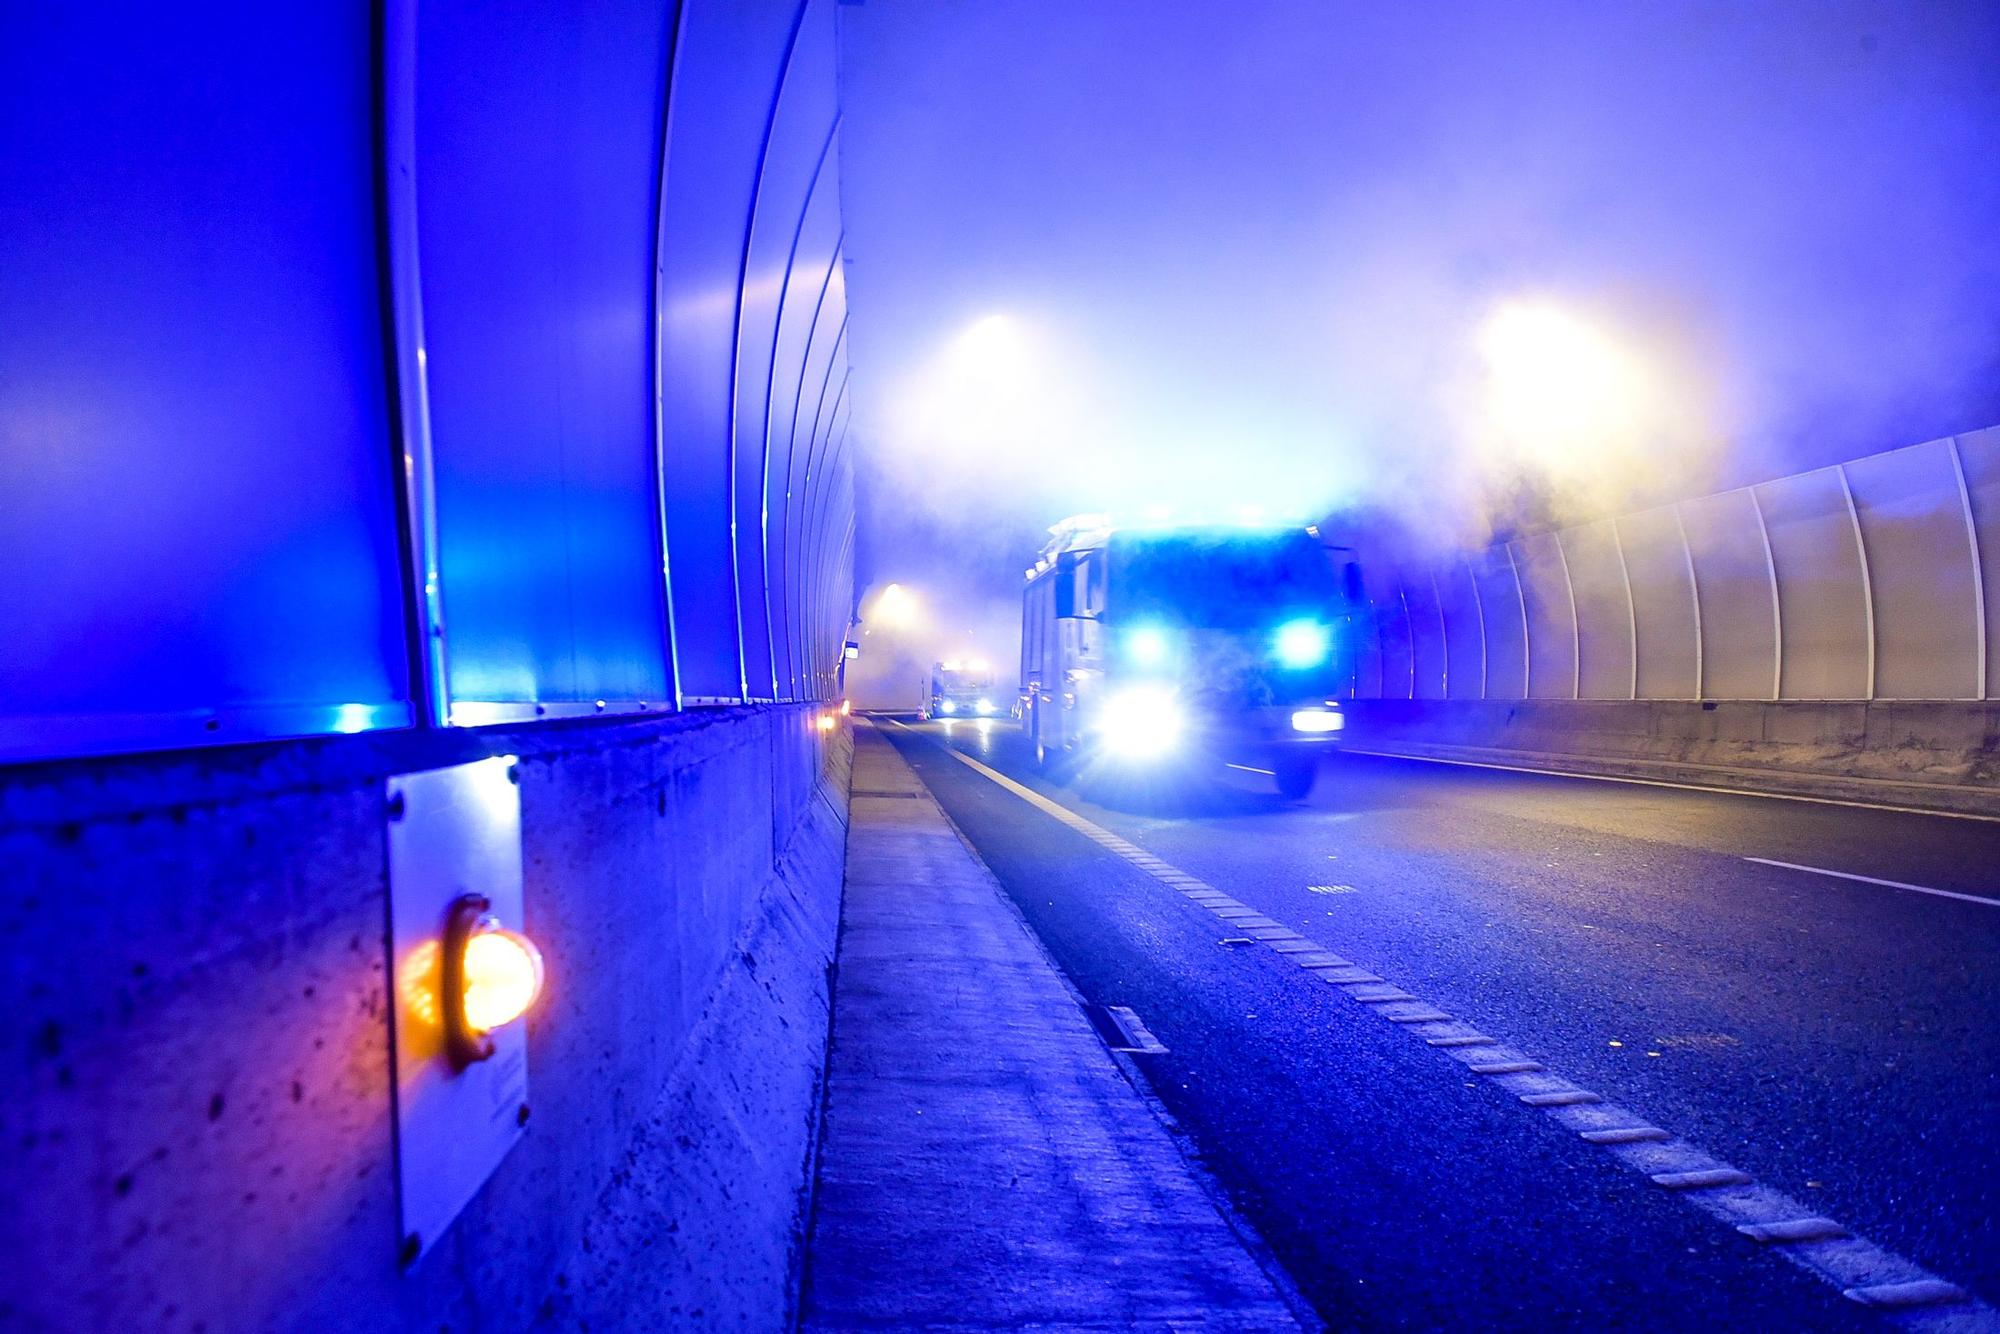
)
(961, 687)
(1150, 647)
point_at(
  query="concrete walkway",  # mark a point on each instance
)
(985, 1163)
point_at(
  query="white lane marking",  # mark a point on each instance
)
(1876, 880)
(1662, 782)
(1251, 769)
(1861, 1270)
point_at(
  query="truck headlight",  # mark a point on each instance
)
(983, 707)
(1302, 643)
(1141, 722)
(947, 706)
(1317, 720)
(1148, 646)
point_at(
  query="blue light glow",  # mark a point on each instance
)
(1148, 646)
(1303, 643)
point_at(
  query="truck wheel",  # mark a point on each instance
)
(1296, 775)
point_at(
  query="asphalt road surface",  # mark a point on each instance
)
(1834, 1040)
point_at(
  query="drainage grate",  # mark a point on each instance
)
(867, 792)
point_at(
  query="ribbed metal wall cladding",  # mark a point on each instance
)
(472, 366)
(1874, 579)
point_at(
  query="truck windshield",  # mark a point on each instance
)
(964, 680)
(1221, 580)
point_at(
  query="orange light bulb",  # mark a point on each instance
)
(503, 976)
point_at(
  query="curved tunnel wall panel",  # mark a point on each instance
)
(1875, 579)
(1504, 616)
(1732, 579)
(799, 148)
(197, 500)
(804, 536)
(492, 299)
(1392, 629)
(538, 147)
(1551, 616)
(1920, 571)
(1667, 651)
(1366, 665)
(1823, 601)
(730, 63)
(1978, 455)
(798, 323)
(1596, 565)
(836, 520)
(830, 618)
(1427, 643)
(1465, 633)
(814, 309)
(821, 385)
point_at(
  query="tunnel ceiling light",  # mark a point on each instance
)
(895, 607)
(1562, 393)
(492, 976)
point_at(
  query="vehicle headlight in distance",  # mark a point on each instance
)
(1148, 646)
(983, 707)
(1141, 722)
(1303, 643)
(1317, 720)
(947, 706)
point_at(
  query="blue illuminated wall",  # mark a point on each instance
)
(465, 362)
(753, 312)
(198, 526)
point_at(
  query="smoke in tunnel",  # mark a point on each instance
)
(1488, 274)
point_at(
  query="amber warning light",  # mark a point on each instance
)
(491, 978)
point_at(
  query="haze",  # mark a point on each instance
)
(1204, 258)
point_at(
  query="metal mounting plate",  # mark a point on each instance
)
(451, 832)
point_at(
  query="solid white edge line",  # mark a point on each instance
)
(1250, 769)
(1876, 880)
(1662, 782)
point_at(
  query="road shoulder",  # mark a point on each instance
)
(985, 1161)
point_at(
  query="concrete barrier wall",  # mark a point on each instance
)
(1942, 755)
(198, 1129)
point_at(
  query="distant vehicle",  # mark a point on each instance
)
(1153, 646)
(962, 689)
(888, 676)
